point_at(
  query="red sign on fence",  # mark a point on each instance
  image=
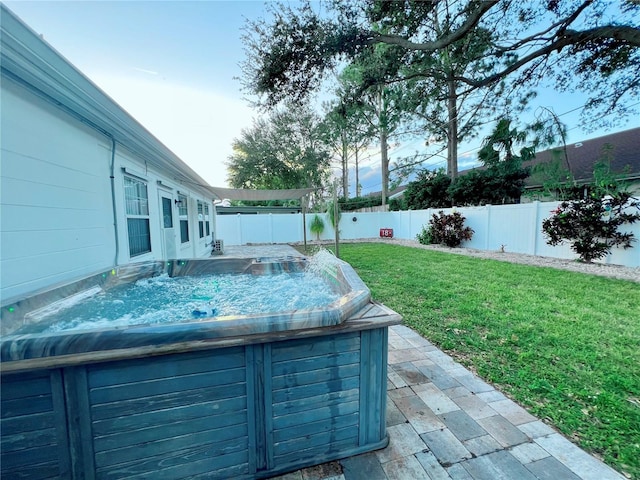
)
(386, 232)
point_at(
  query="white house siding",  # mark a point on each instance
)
(56, 221)
(62, 213)
(56, 215)
(194, 248)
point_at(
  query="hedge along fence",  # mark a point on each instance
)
(516, 227)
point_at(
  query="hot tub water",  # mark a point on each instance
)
(164, 299)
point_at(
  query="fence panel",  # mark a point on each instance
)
(512, 226)
(478, 219)
(285, 228)
(517, 227)
(542, 247)
(228, 229)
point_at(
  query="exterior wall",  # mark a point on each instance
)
(57, 222)
(126, 164)
(517, 227)
(632, 186)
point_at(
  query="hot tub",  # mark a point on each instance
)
(244, 396)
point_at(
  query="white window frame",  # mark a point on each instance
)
(207, 220)
(201, 231)
(183, 217)
(136, 198)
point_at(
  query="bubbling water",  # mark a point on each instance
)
(163, 299)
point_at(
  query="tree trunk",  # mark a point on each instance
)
(357, 174)
(345, 165)
(385, 164)
(384, 146)
(452, 131)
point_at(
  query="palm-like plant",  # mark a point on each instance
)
(317, 226)
(334, 214)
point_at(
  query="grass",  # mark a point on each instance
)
(564, 345)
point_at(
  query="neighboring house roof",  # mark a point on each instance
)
(395, 193)
(625, 156)
(29, 60)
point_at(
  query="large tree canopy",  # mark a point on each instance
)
(588, 44)
(285, 150)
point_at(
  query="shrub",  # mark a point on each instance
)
(424, 237)
(397, 204)
(446, 229)
(356, 203)
(429, 190)
(591, 225)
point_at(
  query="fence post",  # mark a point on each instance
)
(239, 227)
(536, 219)
(271, 228)
(486, 240)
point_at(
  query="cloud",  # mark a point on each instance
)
(150, 72)
(367, 173)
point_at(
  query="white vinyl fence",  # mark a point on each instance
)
(516, 227)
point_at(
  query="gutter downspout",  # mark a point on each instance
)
(113, 199)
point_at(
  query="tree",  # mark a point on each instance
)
(556, 180)
(432, 90)
(429, 190)
(317, 226)
(337, 128)
(594, 45)
(498, 147)
(347, 129)
(499, 181)
(334, 213)
(591, 225)
(374, 105)
(502, 178)
(284, 150)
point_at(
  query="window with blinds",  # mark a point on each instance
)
(183, 213)
(137, 213)
(201, 219)
(207, 221)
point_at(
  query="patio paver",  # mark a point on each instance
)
(444, 423)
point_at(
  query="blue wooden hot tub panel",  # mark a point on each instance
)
(314, 404)
(243, 412)
(33, 426)
(181, 415)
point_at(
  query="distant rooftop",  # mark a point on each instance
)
(581, 156)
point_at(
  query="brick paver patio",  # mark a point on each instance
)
(446, 423)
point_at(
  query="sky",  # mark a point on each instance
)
(174, 66)
(171, 65)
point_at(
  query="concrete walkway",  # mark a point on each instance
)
(259, 251)
(446, 423)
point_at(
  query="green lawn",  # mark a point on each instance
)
(564, 345)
